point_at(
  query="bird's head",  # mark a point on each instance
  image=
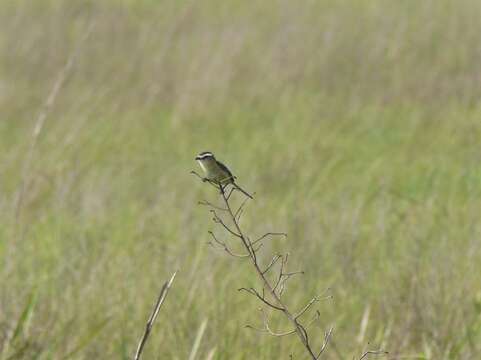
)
(205, 156)
(206, 161)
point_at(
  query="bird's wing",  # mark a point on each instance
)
(226, 169)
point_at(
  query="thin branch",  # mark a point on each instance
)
(316, 317)
(218, 220)
(254, 292)
(231, 191)
(273, 333)
(255, 250)
(148, 327)
(288, 275)
(269, 234)
(310, 303)
(271, 264)
(239, 211)
(373, 352)
(270, 332)
(197, 174)
(214, 184)
(327, 337)
(206, 203)
(256, 328)
(225, 247)
(284, 260)
(248, 244)
(305, 308)
(267, 328)
(230, 252)
(282, 288)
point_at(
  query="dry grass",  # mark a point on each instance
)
(356, 123)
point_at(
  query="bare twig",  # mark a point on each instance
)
(327, 337)
(205, 180)
(206, 203)
(271, 264)
(231, 191)
(240, 210)
(373, 352)
(225, 247)
(261, 298)
(218, 220)
(148, 327)
(269, 234)
(271, 291)
(197, 174)
(280, 277)
(311, 302)
(274, 333)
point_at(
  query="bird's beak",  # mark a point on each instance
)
(196, 158)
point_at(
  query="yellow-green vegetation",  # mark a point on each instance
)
(356, 123)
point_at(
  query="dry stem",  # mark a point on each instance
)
(271, 291)
(148, 327)
(40, 122)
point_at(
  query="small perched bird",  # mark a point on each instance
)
(217, 172)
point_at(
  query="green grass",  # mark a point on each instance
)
(357, 124)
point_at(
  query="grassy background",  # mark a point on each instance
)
(356, 123)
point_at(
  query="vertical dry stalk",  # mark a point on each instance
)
(271, 290)
(148, 327)
(40, 122)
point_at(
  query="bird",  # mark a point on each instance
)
(217, 172)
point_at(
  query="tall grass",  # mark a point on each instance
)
(356, 123)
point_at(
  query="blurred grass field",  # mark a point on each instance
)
(357, 124)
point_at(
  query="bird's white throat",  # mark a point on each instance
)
(202, 165)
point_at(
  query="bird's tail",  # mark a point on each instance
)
(242, 190)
